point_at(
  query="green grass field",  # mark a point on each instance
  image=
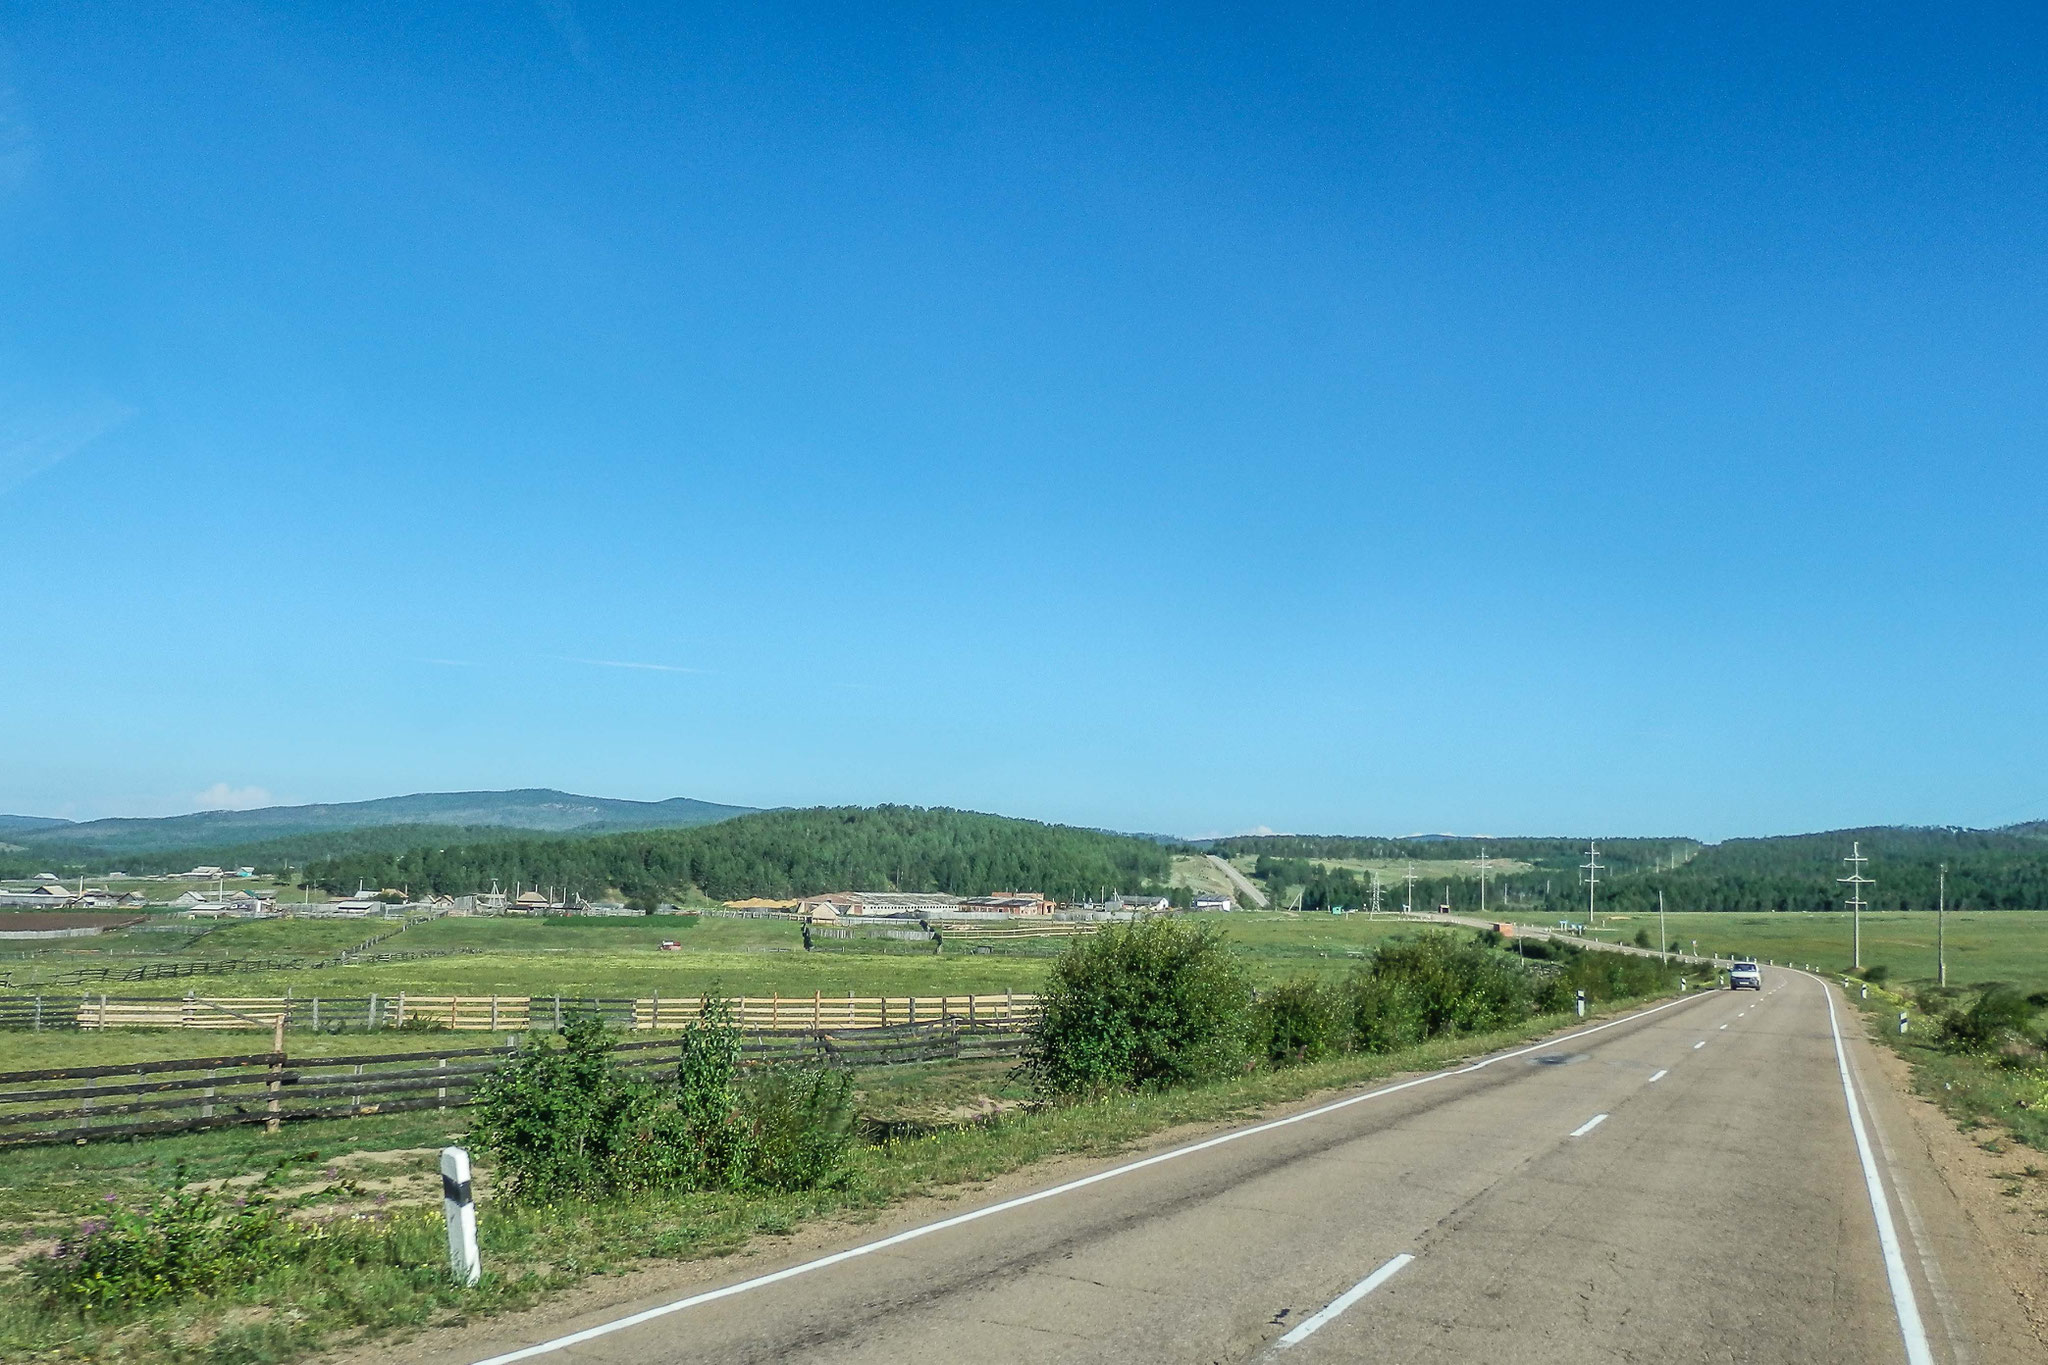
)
(1991, 945)
(623, 957)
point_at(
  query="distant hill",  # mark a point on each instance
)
(19, 824)
(537, 809)
(782, 853)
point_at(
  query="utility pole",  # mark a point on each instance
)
(1663, 938)
(1856, 881)
(1484, 863)
(1375, 896)
(1591, 867)
(1941, 913)
(1408, 906)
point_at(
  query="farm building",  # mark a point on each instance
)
(1008, 903)
(855, 904)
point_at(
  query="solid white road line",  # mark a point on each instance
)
(1700, 1044)
(1724, 1026)
(1915, 1335)
(1589, 1125)
(605, 1329)
(1658, 1077)
(1309, 1326)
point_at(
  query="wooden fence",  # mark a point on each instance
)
(80, 1104)
(503, 1013)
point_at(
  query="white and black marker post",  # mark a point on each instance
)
(458, 1202)
(1582, 1004)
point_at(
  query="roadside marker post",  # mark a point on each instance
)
(1582, 1004)
(458, 1203)
(1902, 1021)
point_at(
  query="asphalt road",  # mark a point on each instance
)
(1685, 1184)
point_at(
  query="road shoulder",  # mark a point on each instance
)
(1988, 1220)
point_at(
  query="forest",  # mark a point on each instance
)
(1986, 870)
(780, 853)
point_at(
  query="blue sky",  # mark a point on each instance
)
(1513, 419)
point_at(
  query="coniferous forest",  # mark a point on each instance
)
(781, 854)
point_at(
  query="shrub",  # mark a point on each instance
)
(186, 1242)
(2000, 1010)
(1643, 938)
(1437, 985)
(1877, 975)
(1153, 1004)
(564, 1119)
(800, 1125)
(708, 1099)
(1301, 1021)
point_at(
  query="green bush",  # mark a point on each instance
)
(568, 1120)
(1998, 1012)
(564, 1119)
(707, 1100)
(1301, 1021)
(1436, 985)
(800, 1125)
(1602, 976)
(1877, 975)
(186, 1242)
(1148, 1005)
(1386, 1012)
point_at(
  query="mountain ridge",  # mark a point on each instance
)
(531, 809)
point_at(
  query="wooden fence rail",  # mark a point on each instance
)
(502, 1013)
(80, 1104)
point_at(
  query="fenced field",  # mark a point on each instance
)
(499, 1013)
(126, 1100)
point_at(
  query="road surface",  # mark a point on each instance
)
(1686, 1183)
(1243, 883)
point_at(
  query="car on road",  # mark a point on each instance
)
(1745, 976)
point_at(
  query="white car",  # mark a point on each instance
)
(1745, 976)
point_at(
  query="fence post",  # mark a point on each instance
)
(970, 1008)
(441, 1064)
(913, 1009)
(206, 1109)
(270, 1124)
(817, 1009)
(39, 1014)
(654, 1016)
(774, 1009)
(185, 1020)
(372, 1016)
(401, 1009)
(558, 1014)
(103, 1010)
(1009, 1002)
(494, 1013)
(316, 1014)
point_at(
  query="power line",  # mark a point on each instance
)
(1592, 867)
(1856, 881)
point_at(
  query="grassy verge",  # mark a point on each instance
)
(2005, 1092)
(401, 1285)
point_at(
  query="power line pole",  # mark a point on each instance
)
(1375, 895)
(1941, 913)
(1591, 867)
(1856, 881)
(1484, 863)
(1663, 938)
(1408, 906)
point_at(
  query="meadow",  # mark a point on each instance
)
(623, 957)
(1982, 946)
